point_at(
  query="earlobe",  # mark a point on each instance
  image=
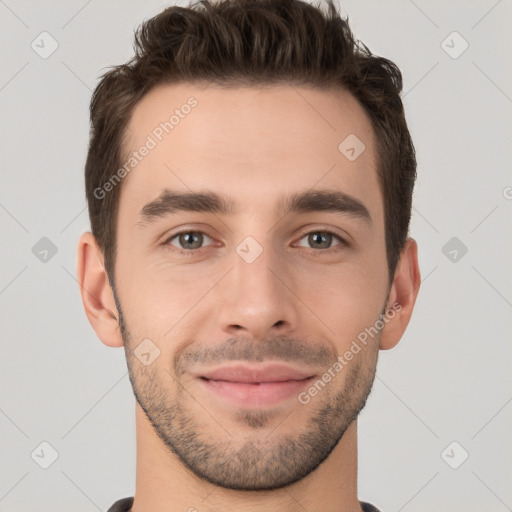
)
(96, 292)
(402, 296)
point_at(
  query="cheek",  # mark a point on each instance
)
(346, 301)
(156, 298)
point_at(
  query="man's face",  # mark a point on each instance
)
(255, 288)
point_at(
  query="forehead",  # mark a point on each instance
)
(249, 143)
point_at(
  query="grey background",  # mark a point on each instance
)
(448, 379)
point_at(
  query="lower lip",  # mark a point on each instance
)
(255, 395)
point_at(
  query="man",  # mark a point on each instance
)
(249, 182)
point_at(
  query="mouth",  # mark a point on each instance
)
(246, 386)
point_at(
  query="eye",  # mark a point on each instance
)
(188, 241)
(321, 241)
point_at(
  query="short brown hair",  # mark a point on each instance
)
(250, 42)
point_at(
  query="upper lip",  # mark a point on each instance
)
(246, 373)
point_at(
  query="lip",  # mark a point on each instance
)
(250, 386)
(252, 374)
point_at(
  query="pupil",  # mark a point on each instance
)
(189, 238)
(315, 237)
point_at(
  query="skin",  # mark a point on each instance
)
(253, 145)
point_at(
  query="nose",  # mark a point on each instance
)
(257, 298)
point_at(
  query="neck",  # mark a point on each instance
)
(163, 483)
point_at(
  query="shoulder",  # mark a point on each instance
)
(367, 507)
(122, 505)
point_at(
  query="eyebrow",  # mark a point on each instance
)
(170, 202)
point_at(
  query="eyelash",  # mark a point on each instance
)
(315, 252)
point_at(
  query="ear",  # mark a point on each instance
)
(403, 293)
(97, 295)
